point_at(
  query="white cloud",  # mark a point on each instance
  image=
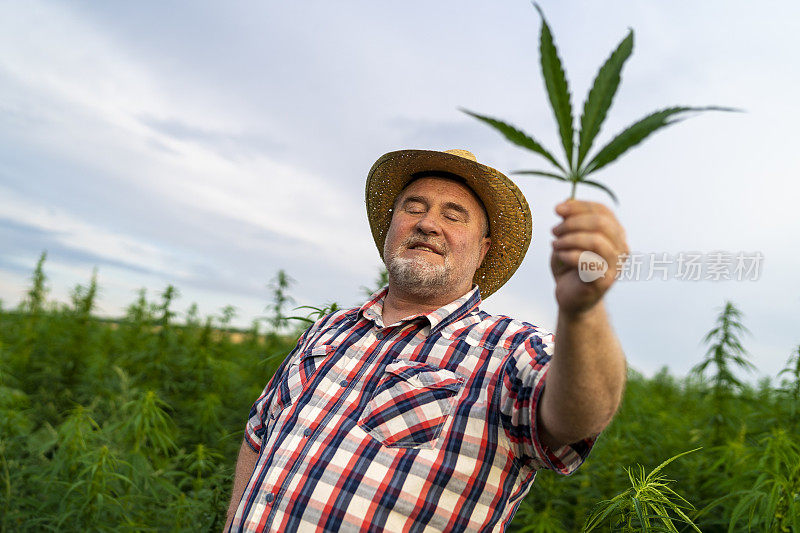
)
(91, 97)
(264, 136)
(79, 235)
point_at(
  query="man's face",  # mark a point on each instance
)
(436, 240)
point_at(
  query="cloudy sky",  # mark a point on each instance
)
(209, 144)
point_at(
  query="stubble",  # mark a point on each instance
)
(417, 275)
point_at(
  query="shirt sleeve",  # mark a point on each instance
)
(523, 382)
(257, 420)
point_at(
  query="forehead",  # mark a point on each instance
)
(442, 189)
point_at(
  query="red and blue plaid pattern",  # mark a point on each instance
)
(425, 425)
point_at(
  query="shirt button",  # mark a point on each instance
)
(380, 335)
(269, 497)
(343, 383)
(307, 432)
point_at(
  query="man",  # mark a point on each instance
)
(418, 411)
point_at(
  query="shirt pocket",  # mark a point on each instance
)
(297, 378)
(411, 404)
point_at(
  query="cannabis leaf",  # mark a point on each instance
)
(649, 504)
(576, 168)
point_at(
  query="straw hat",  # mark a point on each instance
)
(509, 215)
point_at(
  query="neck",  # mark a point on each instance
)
(399, 304)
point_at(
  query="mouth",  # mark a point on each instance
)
(423, 247)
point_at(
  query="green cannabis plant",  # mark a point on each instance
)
(279, 287)
(771, 502)
(724, 356)
(649, 504)
(791, 384)
(577, 166)
(145, 436)
(725, 352)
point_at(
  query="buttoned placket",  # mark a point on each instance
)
(377, 333)
(273, 498)
(350, 362)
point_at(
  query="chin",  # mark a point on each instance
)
(418, 276)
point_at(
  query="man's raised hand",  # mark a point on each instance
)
(592, 227)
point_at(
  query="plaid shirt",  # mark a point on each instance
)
(428, 424)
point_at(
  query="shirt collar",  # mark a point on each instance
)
(438, 318)
(373, 307)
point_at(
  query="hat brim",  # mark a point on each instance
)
(509, 214)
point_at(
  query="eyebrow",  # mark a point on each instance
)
(419, 199)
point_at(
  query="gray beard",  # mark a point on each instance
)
(419, 277)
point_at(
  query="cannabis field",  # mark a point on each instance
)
(134, 425)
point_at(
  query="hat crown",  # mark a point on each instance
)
(466, 154)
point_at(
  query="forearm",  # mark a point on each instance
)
(585, 380)
(245, 464)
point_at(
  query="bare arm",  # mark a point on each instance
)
(587, 372)
(245, 465)
(585, 380)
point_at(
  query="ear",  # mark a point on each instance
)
(486, 243)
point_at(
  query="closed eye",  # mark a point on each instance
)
(414, 206)
(455, 212)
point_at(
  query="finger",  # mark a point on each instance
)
(586, 222)
(593, 241)
(568, 258)
(575, 207)
(591, 222)
(589, 241)
(571, 259)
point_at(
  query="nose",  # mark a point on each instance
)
(428, 224)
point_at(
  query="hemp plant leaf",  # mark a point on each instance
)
(517, 137)
(602, 94)
(555, 80)
(575, 168)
